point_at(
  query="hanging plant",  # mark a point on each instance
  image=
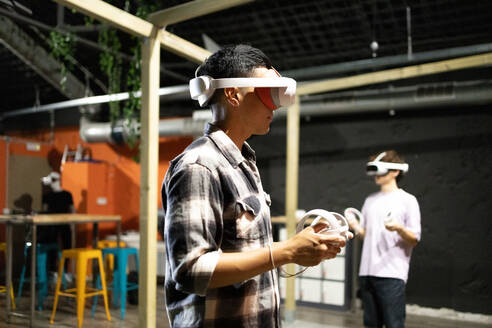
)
(63, 49)
(111, 65)
(131, 110)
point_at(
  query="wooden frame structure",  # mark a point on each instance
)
(155, 36)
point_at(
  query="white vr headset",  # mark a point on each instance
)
(51, 178)
(274, 92)
(377, 167)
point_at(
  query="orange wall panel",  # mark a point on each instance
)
(127, 195)
(75, 178)
(169, 148)
(92, 188)
(21, 148)
(117, 177)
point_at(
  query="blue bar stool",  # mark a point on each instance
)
(120, 285)
(42, 251)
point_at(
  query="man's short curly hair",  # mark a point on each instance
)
(232, 62)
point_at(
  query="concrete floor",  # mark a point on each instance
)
(307, 317)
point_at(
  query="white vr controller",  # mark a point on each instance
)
(353, 213)
(335, 223)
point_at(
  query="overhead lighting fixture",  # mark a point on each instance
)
(374, 47)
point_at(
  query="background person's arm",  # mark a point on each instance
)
(409, 231)
(405, 234)
(355, 226)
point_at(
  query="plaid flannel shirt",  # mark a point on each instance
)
(206, 191)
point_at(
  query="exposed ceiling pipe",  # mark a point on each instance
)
(192, 126)
(174, 92)
(382, 100)
(96, 131)
(119, 133)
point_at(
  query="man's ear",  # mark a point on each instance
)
(232, 96)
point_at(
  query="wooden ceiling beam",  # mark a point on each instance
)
(395, 74)
(136, 26)
(191, 10)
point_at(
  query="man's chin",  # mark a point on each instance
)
(262, 132)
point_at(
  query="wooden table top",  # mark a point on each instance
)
(59, 218)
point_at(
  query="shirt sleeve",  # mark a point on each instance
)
(413, 217)
(193, 226)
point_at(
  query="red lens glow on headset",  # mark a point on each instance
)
(265, 95)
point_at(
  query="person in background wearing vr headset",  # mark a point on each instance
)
(390, 230)
(55, 200)
(220, 255)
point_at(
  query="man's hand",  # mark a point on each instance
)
(355, 226)
(353, 223)
(309, 248)
(393, 225)
(406, 235)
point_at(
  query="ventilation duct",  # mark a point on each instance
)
(119, 133)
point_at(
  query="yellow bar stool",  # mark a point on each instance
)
(110, 257)
(80, 292)
(3, 289)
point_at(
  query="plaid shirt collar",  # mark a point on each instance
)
(228, 148)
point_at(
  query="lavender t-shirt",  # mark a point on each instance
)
(384, 253)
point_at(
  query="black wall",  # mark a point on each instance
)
(450, 157)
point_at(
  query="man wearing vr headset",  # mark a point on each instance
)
(391, 228)
(220, 255)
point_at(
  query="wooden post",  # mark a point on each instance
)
(149, 156)
(291, 189)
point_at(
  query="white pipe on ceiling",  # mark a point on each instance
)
(174, 92)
